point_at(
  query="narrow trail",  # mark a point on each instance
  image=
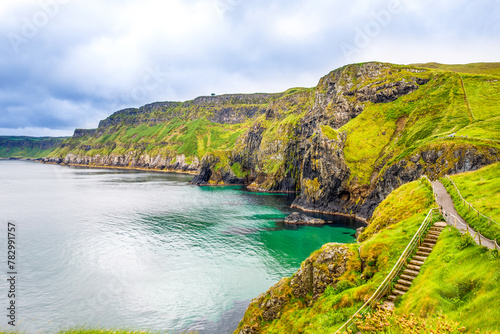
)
(467, 104)
(446, 204)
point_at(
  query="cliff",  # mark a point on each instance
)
(344, 145)
(28, 147)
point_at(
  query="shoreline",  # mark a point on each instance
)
(294, 206)
(124, 168)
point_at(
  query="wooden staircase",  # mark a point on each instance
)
(413, 267)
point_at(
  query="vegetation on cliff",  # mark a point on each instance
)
(345, 144)
(456, 291)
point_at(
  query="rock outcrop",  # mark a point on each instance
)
(323, 268)
(130, 160)
(301, 219)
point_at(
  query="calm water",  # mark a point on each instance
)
(138, 250)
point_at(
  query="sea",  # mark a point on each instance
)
(135, 250)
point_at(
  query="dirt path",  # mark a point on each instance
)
(467, 104)
(453, 218)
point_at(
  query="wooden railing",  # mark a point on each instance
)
(386, 285)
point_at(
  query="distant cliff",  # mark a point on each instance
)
(28, 147)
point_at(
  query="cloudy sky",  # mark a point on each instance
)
(66, 64)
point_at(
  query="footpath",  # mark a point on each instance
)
(453, 218)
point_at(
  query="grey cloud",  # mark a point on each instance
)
(92, 58)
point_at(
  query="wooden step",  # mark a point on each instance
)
(398, 292)
(413, 267)
(392, 298)
(404, 282)
(427, 244)
(425, 249)
(423, 253)
(401, 287)
(440, 224)
(430, 240)
(431, 236)
(410, 272)
(416, 262)
(434, 233)
(419, 258)
(407, 278)
(436, 229)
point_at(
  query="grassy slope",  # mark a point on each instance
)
(481, 188)
(462, 283)
(407, 207)
(387, 132)
(178, 136)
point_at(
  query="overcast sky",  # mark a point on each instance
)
(67, 64)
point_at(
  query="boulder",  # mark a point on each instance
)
(301, 219)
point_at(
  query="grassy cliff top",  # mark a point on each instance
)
(473, 68)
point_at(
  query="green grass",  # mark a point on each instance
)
(398, 129)
(462, 283)
(193, 138)
(385, 133)
(481, 188)
(474, 68)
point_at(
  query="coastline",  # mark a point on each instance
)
(125, 168)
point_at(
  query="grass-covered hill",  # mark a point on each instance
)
(457, 289)
(345, 144)
(28, 147)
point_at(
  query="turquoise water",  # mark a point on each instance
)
(139, 250)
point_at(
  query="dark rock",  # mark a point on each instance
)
(301, 219)
(84, 133)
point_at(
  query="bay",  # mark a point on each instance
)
(143, 250)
